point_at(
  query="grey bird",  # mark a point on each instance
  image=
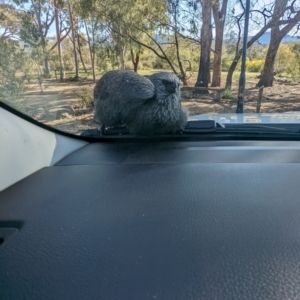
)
(146, 105)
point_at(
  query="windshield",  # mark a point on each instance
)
(150, 65)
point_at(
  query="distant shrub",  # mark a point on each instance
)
(226, 64)
(128, 66)
(11, 64)
(86, 97)
(227, 94)
(255, 65)
(157, 65)
(72, 78)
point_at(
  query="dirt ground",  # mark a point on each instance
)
(282, 97)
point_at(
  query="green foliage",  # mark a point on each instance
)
(147, 60)
(108, 30)
(226, 64)
(284, 59)
(227, 94)
(294, 69)
(11, 65)
(29, 32)
(257, 52)
(34, 67)
(54, 61)
(73, 78)
(255, 65)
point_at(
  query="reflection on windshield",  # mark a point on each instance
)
(53, 53)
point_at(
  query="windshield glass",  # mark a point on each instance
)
(172, 60)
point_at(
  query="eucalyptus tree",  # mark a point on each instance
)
(206, 41)
(286, 16)
(277, 14)
(219, 9)
(93, 16)
(10, 20)
(42, 13)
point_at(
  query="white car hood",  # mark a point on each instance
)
(271, 118)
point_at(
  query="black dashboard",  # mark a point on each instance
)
(160, 220)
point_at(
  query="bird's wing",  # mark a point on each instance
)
(124, 87)
(118, 94)
(136, 88)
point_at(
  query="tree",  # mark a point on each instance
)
(36, 20)
(174, 15)
(10, 21)
(97, 17)
(266, 18)
(73, 39)
(44, 17)
(219, 15)
(295, 69)
(11, 85)
(135, 57)
(281, 9)
(80, 43)
(206, 40)
(58, 39)
(137, 25)
(91, 43)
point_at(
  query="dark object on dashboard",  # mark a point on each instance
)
(91, 133)
(198, 126)
(192, 126)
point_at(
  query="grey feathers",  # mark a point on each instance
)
(146, 105)
(117, 95)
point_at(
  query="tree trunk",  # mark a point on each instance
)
(267, 74)
(136, 64)
(231, 71)
(135, 60)
(43, 28)
(91, 51)
(279, 9)
(206, 39)
(238, 55)
(61, 65)
(277, 35)
(122, 57)
(219, 18)
(182, 71)
(73, 41)
(217, 69)
(46, 64)
(80, 53)
(46, 70)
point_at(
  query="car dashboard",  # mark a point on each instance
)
(156, 220)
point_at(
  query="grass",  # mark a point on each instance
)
(236, 75)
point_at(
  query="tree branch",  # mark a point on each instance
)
(61, 39)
